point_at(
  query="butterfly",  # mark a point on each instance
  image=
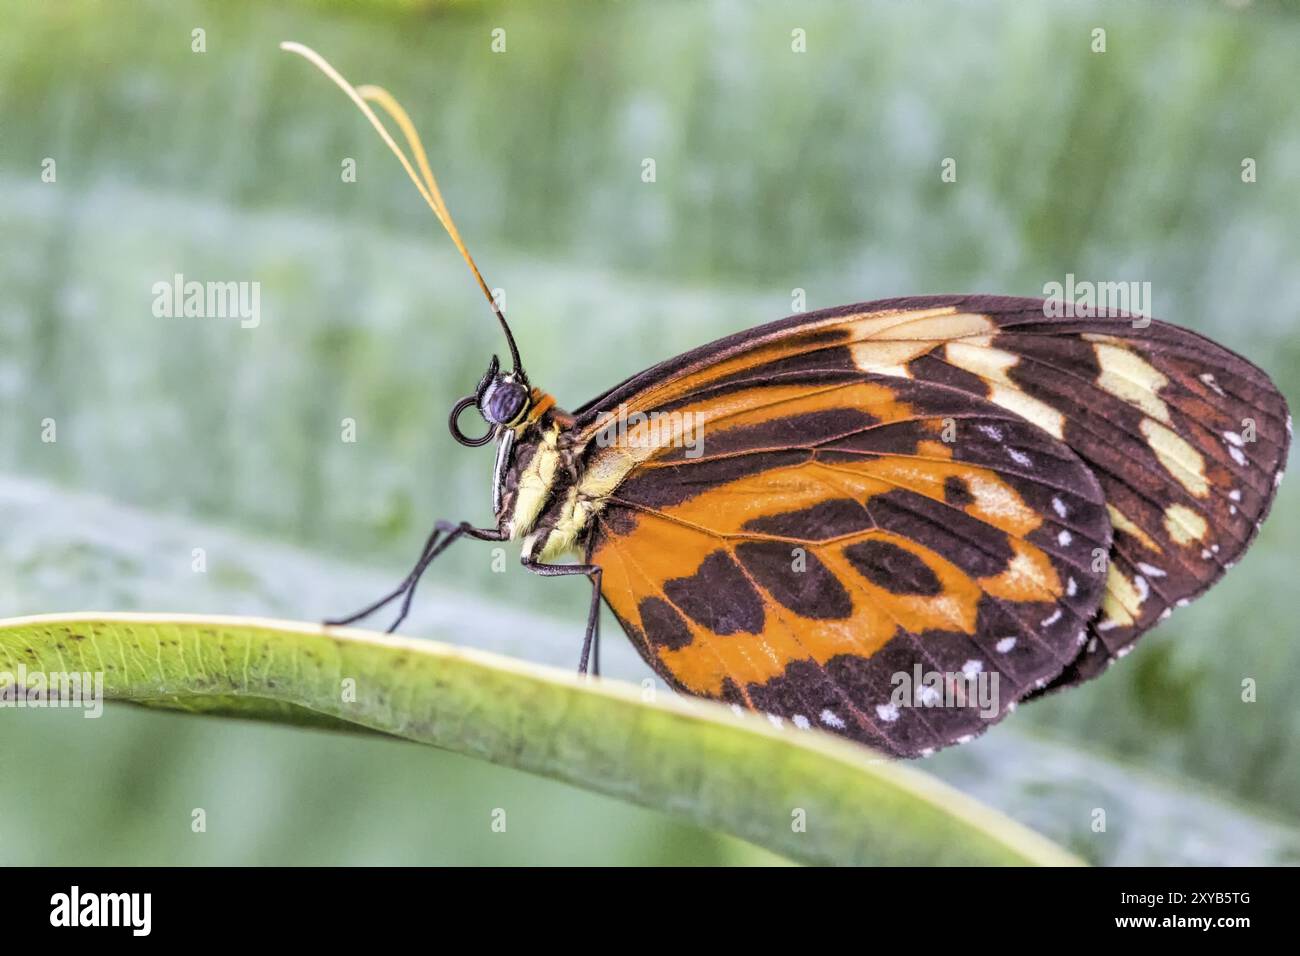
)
(892, 520)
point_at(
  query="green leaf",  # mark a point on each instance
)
(693, 759)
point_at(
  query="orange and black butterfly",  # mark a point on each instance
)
(790, 518)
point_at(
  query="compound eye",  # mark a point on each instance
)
(505, 403)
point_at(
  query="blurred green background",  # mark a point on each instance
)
(775, 171)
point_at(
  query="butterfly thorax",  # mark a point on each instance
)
(539, 471)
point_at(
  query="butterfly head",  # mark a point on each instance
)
(502, 398)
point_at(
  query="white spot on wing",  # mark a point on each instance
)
(1059, 507)
(831, 719)
(1051, 618)
(801, 722)
(1020, 458)
(1064, 538)
(887, 712)
(1005, 645)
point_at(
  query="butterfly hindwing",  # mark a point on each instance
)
(839, 528)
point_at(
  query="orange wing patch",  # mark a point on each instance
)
(828, 539)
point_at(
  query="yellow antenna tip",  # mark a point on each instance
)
(428, 185)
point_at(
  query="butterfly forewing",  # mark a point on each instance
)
(1186, 439)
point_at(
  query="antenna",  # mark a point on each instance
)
(428, 186)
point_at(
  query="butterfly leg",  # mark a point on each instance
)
(591, 640)
(432, 548)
